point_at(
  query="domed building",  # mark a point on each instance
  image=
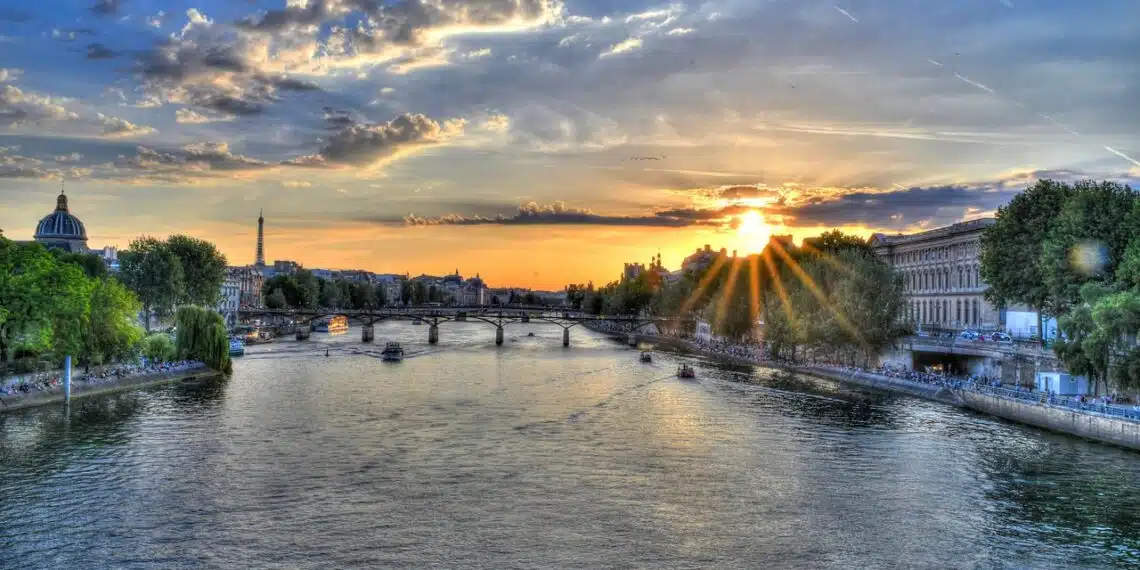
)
(60, 229)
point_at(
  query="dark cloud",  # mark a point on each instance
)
(372, 144)
(936, 205)
(106, 7)
(100, 51)
(746, 192)
(559, 213)
(316, 12)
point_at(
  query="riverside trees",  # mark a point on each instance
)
(167, 273)
(1073, 251)
(51, 306)
(831, 297)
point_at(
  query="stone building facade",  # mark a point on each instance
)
(942, 272)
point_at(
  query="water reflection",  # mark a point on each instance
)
(529, 455)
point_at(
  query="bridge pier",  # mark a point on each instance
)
(433, 334)
(499, 335)
(565, 337)
(303, 332)
(367, 333)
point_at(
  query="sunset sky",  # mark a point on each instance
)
(540, 142)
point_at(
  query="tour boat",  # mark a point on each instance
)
(646, 357)
(417, 322)
(686, 371)
(393, 352)
(333, 324)
(236, 347)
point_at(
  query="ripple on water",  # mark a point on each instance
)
(533, 457)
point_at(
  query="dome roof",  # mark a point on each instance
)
(60, 224)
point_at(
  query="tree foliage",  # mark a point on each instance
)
(150, 269)
(1073, 251)
(203, 269)
(201, 335)
(51, 307)
(158, 347)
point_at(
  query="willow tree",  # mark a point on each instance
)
(202, 336)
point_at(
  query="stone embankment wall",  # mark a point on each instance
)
(1101, 428)
(877, 382)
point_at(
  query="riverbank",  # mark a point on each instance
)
(1017, 407)
(80, 389)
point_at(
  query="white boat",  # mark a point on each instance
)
(392, 352)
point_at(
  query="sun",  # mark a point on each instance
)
(752, 232)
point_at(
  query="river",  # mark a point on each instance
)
(529, 455)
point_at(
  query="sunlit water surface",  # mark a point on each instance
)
(529, 455)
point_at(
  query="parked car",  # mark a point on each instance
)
(969, 335)
(1001, 337)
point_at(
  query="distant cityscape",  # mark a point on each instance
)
(243, 284)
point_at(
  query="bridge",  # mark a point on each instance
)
(1014, 361)
(434, 316)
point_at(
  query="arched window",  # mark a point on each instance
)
(959, 282)
(977, 319)
(958, 313)
(966, 316)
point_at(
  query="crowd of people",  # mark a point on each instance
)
(44, 382)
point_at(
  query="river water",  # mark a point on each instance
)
(529, 455)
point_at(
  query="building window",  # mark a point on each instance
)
(958, 317)
(976, 318)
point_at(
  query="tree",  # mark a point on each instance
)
(407, 292)
(1096, 223)
(419, 293)
(91, 264)
(309, 287)
(154, 273)
(379, 296)
(276, 299)
(44, 304)
(1012, 255)
(203, 269)
(202, 336)
(158, 347)
(112, 328)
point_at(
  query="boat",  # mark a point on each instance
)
(333, 324)
(417, 322)
(686, 371)
(392, 352)
(529, 334)
(236, 347)
(646, 357)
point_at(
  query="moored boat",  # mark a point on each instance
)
(237, 348)
(646, 357)
(686, 371)
(392, 352)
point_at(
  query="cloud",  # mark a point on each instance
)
(8, 74)
(497, 122)
(157, 20)
(14, 166)
(558, 213)
(106, 7)
(100, 51)
(116, 127)
(623, 46)
(192, 163)
(211, 67)
(371, 145)
(191, 117)
(18, 107)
